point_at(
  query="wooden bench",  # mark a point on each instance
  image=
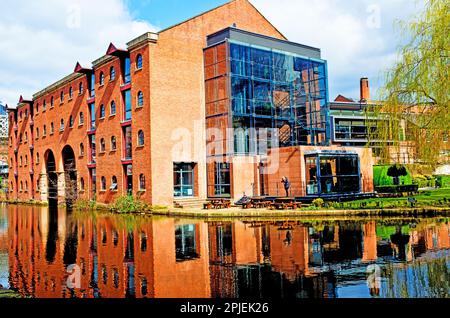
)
(285, 204)
(217, 204)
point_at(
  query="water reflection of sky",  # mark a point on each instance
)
(4, 272)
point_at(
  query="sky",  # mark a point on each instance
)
(41, 40)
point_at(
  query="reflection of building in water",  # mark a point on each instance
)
(169, 258)
(114, 262)
(3, 249)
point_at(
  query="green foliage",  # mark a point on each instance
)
(381, 177)
(397, 171)
(416, 99)
(443, 181)
(129, 204)
(424, 181)
(84, 205)
(397, 188)
(318, 203)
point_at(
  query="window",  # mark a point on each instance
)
(113, 143)
(52, 102)
(20, 138)
(140, 99)
(102, 79)
(102, 111)
(92, 112)
(141, 138)
(186, 242)
(44, 133)
(128, 105)
(20, 161)
(80, 88)
(102, 145)
(26, 137)
(81, 149)
(37, 108)
(112, 74)
(26, 160)
(128, 142)
(114, 183)
(61, 97)
(92, 88)
(81, 184)
(44, 106)
(184, 179)
(71, 121)
(37, 158)
(61, 127)
(81, 118)
(139, 62)
(144, 240)
(127, 74)
(70, 92)
(37, 132)
(21, 186)
(52, 128)
(103, 183)
(142, 182)
(113, 108)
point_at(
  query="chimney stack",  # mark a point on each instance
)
(365, 90)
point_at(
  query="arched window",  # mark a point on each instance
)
(26, 186)
(112, 73)
(140, 99)
(71, 121)
(52, 102)
(81, 149)
(113, 143)
(37, 108)
(102, 78)
(114, 183)
(102, 145)
(37, 185)
(103, 183)
(102, 111)
(21, 186)
(12, 186)
(20, 161)
(44, 105)
(81, 184)
(52, 128)
(81, 118)
(70, 92)
(141, 138)
(61, 126)
(141, 182)
(139, 62)
(26, 160)
(11, 162)
(37, 132)
(80, 88)
(113, 108)
(37, 158)
(20, 138)
(26, 137)
(61, 97)
(44, 133)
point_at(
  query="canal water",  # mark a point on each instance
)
(59, 254)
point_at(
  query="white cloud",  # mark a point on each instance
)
(40, 41)
(357, 38)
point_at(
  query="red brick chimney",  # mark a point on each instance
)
(365, 90)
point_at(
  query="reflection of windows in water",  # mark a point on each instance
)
(224, 240)
(129, 252)
(185, 242)
(116, 278)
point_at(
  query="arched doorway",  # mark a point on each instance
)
(52, 177)
(70, 174)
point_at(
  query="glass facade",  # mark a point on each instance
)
(276, 95)
(332, 174)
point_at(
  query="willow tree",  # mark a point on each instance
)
(414, 111)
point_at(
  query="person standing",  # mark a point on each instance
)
(287, 185)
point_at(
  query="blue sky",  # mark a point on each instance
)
(164, 13)
(41, 40)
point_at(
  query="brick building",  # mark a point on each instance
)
(192, 111)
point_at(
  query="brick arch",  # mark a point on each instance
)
(50, 182)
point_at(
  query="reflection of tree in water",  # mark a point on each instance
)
(400, 240)
(420, 279)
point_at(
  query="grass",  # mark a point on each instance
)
(6, 293)
(429, 198)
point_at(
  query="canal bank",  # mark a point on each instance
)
(265, 213)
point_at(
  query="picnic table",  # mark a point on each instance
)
(256, 202)
(217, 204)
(285, 203)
